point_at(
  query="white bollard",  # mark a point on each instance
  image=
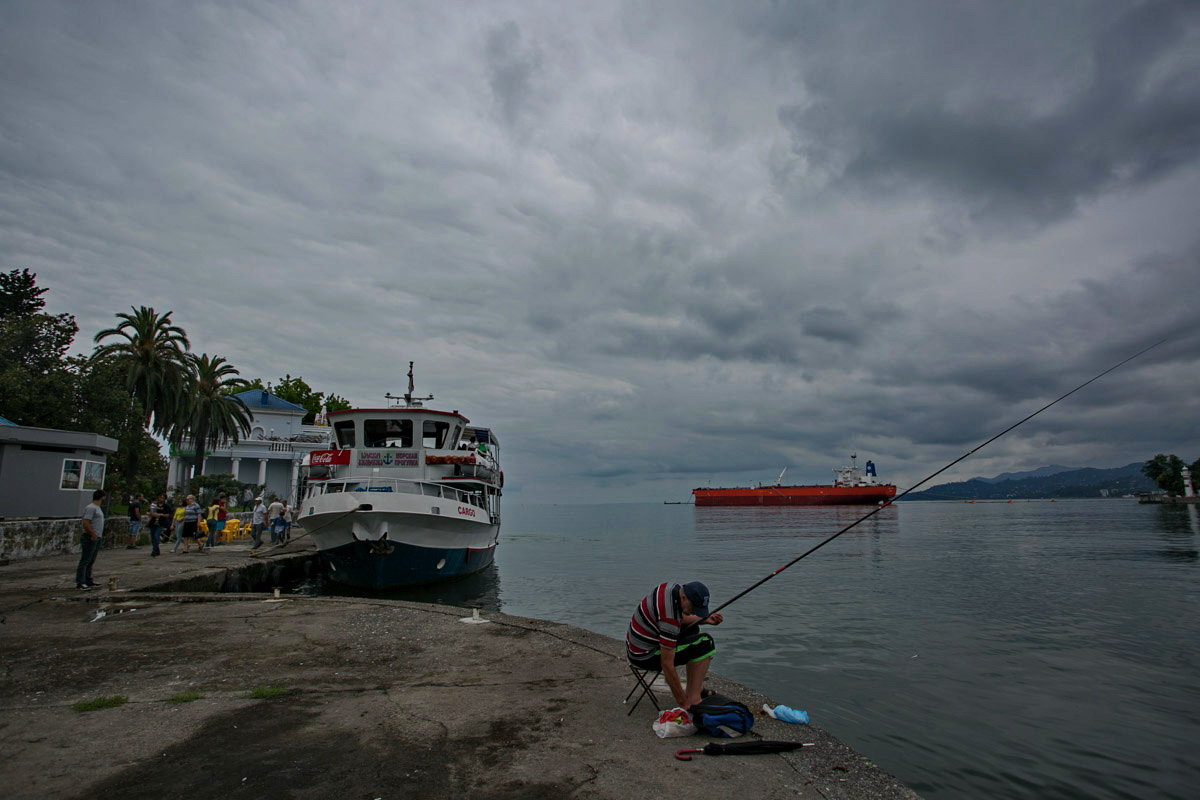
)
(474, 619)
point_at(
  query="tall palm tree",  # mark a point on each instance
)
(210, 411)
(154, 353)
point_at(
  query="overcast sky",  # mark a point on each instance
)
(653, 245)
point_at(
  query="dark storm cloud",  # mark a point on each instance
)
(980, 106)
(701, 240)
(512, 67)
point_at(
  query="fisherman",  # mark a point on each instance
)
(664, 633)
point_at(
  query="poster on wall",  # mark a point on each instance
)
(93, 475)
(72, 474)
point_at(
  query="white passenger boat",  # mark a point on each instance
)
(408, 496)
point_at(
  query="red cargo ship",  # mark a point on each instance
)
(853, 487)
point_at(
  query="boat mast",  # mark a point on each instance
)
(409, 400)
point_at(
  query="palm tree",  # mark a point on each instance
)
(154, 353)
(210, 411)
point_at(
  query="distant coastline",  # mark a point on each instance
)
(1088, 482)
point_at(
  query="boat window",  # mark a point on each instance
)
(345, 433)
(435, 434)
(334, 487)
(388, 433)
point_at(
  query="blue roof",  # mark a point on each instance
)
(260, 398)
(3, 421)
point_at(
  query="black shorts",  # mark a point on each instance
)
(696, 649)
(191, 529)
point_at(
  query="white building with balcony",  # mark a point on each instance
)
(270, 456)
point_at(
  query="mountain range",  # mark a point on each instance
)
(1045, 482)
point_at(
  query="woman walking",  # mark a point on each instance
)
(191, 524)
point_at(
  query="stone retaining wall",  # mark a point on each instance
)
(34, 538)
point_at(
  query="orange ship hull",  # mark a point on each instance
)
(796, 496)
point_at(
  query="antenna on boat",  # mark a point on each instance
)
(409, 400)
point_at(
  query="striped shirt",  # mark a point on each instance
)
(656, 622)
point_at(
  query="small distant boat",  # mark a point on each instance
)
(851, 487)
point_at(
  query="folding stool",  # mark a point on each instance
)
(646, 687)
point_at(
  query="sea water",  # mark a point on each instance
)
(1002, 650)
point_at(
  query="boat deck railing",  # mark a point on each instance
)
(404, 485)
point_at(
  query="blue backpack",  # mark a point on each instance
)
(720, 717)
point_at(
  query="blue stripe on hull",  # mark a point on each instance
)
(355, 564)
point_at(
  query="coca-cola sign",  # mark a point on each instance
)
(321, 458)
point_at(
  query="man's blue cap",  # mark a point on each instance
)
(697, 594)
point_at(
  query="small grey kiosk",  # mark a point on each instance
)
(46, 472)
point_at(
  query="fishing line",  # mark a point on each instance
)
(929, 477)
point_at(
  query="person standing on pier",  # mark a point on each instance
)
(176, 507)
(664, 633)
(157, 522)
(274, 511)
(258, 519)
(90, 540)
(135, 520)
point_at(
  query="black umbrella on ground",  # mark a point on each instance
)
(739, 749)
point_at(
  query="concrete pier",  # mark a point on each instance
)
(357, 698)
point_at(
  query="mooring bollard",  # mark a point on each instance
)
(276, 592)
(474, 619)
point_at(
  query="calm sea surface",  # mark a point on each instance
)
(1006, 650)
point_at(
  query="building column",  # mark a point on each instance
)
(236, 462)
(172, 473)
(293, 484)
(262, 472)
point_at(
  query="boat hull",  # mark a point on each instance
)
(392, 540)
(796, 496)
(395, 565)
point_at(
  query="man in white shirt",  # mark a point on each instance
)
(90, 540)
(274, 512)
(258, 519)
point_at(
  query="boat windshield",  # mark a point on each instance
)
(435, 433)
(344, 431)
(388, 433)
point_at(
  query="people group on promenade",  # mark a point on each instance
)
(180, 519)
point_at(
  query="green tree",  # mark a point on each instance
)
(104, 406)
(152, 350)
(36, 378)
(211, 411)
(1166, 472)
(19, 294)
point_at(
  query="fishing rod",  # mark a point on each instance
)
(930, 477)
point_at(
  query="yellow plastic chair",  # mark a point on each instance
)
(233, 529)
